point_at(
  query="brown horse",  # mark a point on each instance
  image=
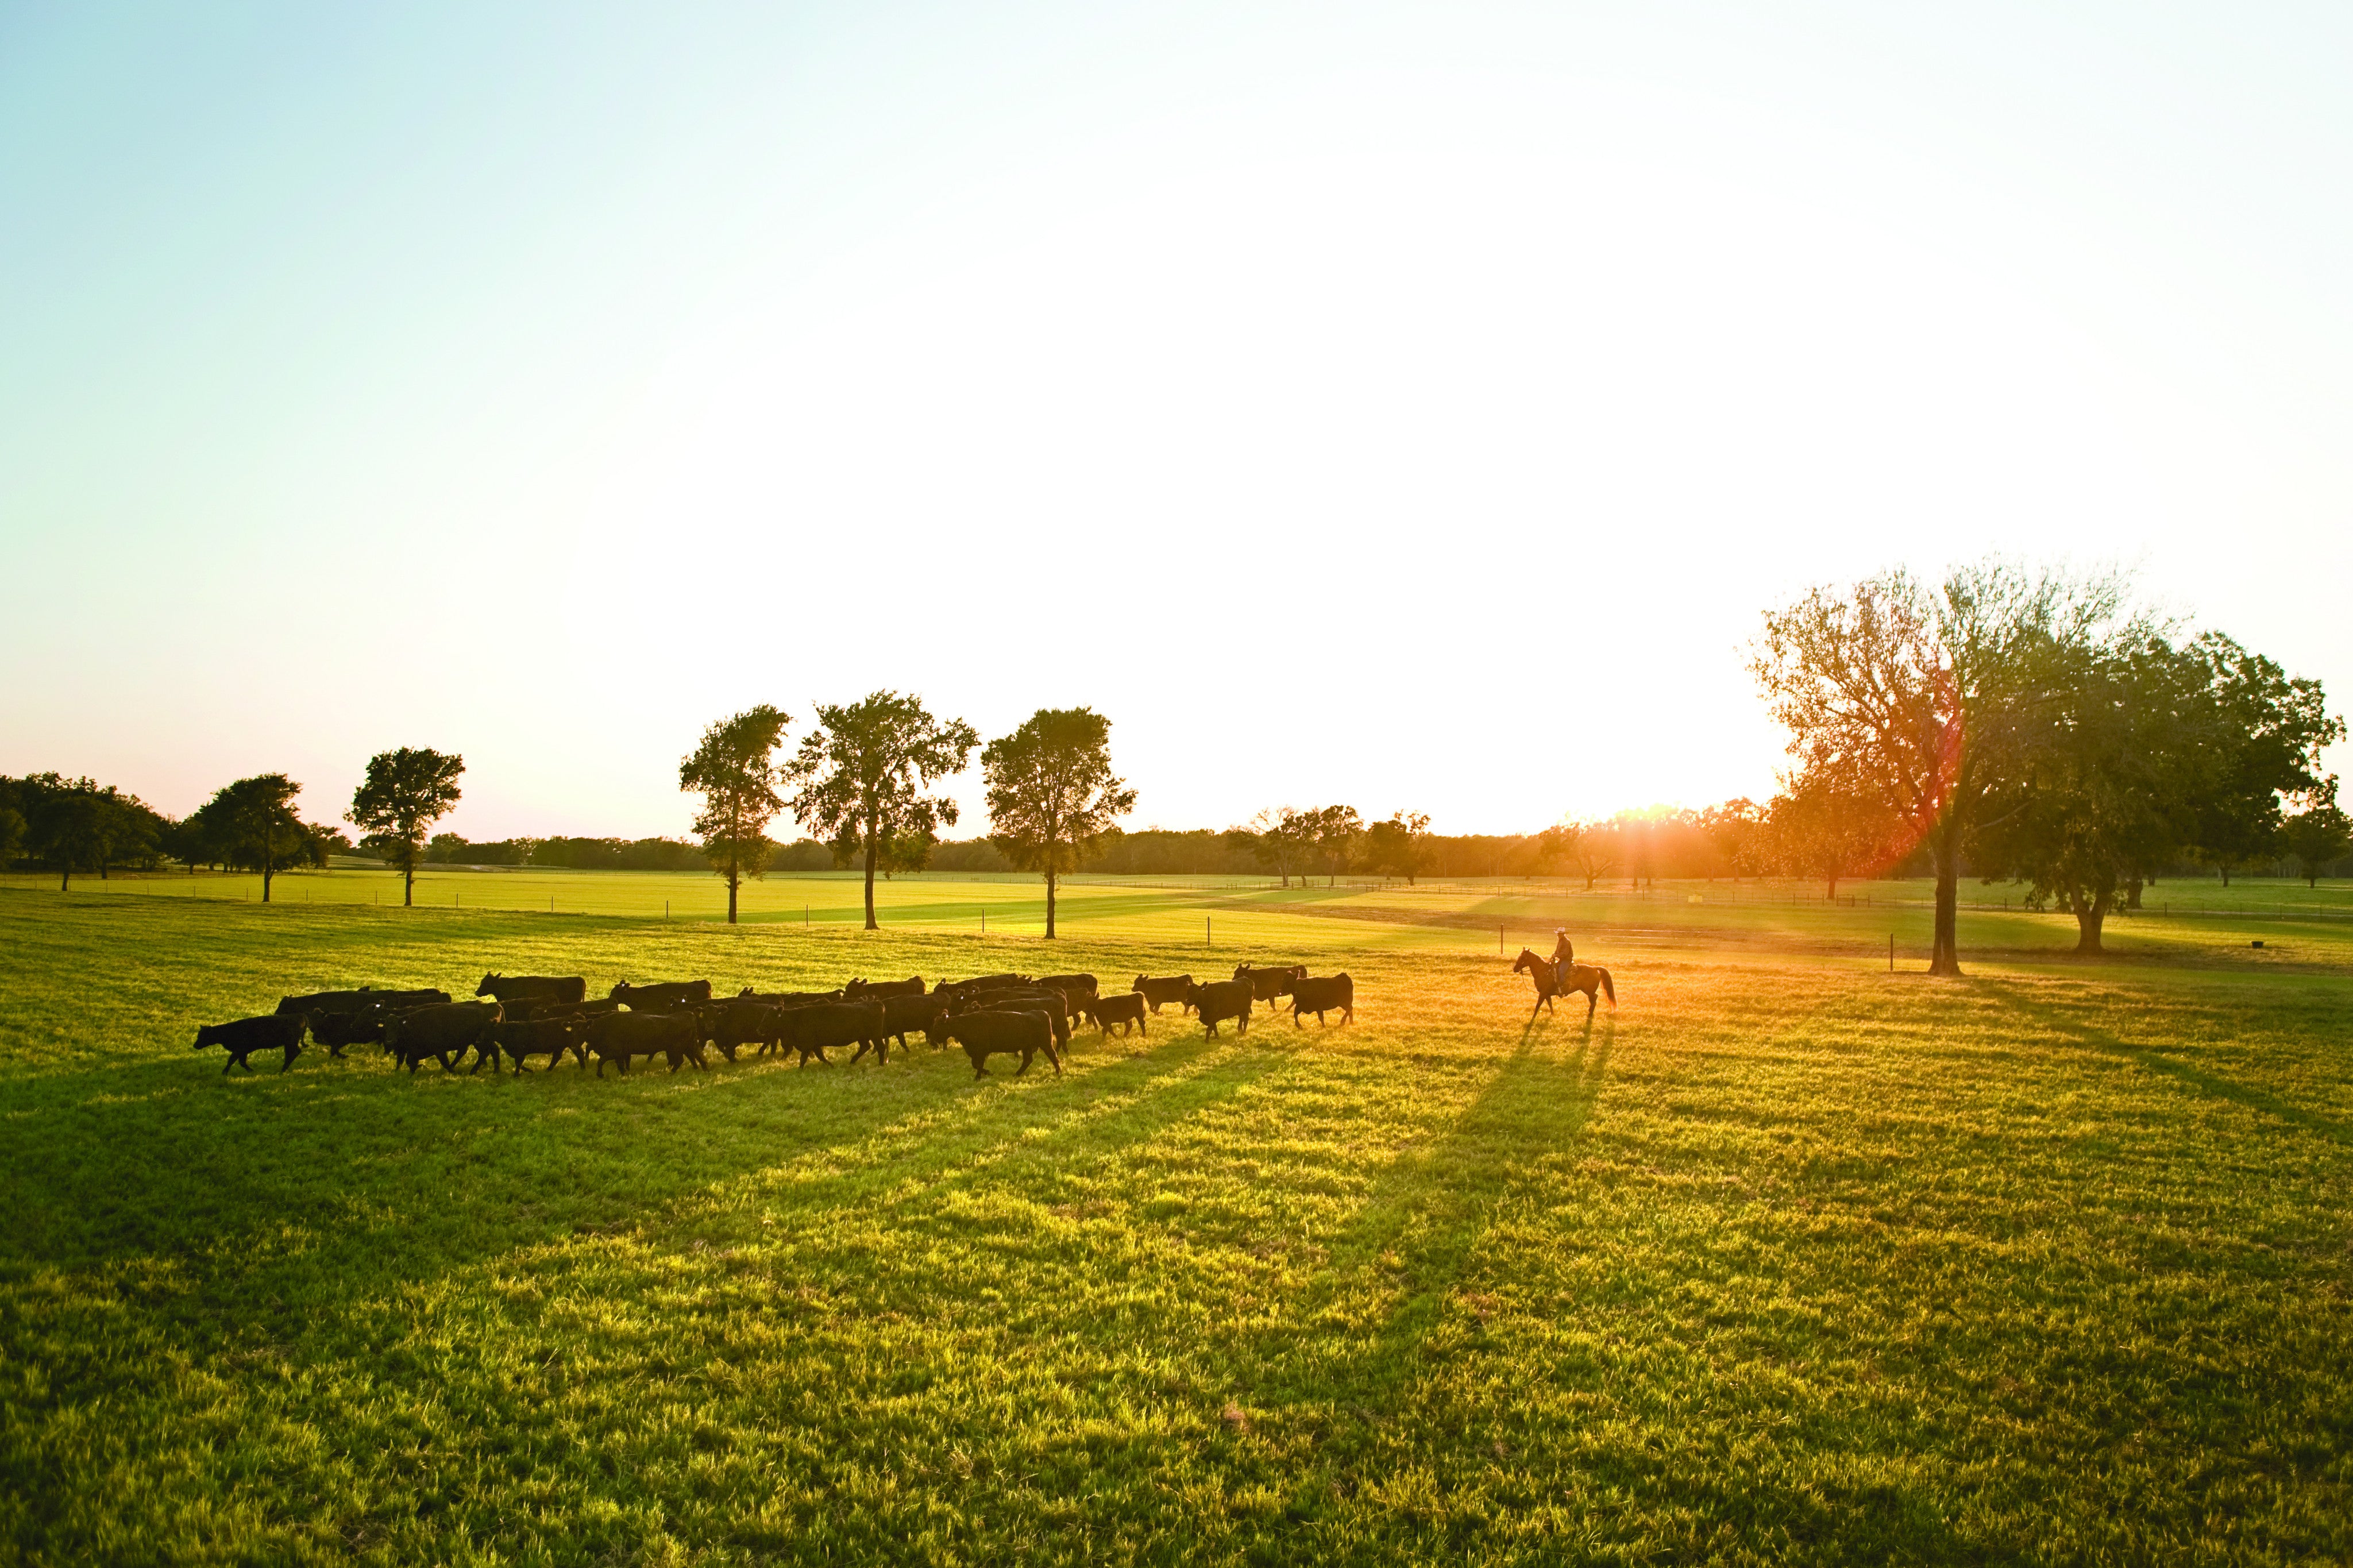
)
(1589, 978)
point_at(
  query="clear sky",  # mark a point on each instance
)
(1407, 405)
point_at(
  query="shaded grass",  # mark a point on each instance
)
(1787, 1258)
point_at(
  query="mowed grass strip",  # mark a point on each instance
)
(1786, 1258)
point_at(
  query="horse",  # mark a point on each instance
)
(1589, 978)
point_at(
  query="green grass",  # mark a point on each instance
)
(1789, 1257)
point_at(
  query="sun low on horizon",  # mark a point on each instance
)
(1407, 405)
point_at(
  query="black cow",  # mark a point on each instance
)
(786, 998)
(991, 1032)
(617, 1036)
(1126, 1010)
(367, 996)
(362, 1027)
(533, 987)
(552, 1007)
(812, 1031)
(549, 1036)
(901, 1014)
(984, 983)
(1269, 981)
(446, 1030)
(732, 1026)
(1053, 1003)
(1220, 1000)
(868, 990)
(662, 996)
(243, 1036)
(1161, 988)
(1073, 986)
(1327, 992)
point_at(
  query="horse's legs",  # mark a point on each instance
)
(1592, 1000)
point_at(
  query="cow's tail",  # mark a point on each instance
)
(1609, 990)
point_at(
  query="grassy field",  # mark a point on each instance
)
(1789, 1256)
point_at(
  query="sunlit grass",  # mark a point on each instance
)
(1789, 1258)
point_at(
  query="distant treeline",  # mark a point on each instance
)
(1721, 843)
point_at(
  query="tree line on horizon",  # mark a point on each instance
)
(2003, 724)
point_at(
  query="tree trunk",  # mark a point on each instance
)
(2089, 917)
(408, 886)
(1831, 895)
(2226, 876)
(734, 876)
(1049, 900)
(1945, 956)
(65, 876)
(873, 844)
(267, 871)
(2132, 894)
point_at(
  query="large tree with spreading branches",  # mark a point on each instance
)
(405, 794)
(1051, 793)
(863, 773)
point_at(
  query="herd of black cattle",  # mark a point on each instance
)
(549, 1016)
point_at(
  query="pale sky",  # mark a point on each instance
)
(1413, 406)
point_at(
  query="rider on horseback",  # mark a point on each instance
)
(1564, 953)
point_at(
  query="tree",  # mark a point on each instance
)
(1333, 831)
(1824, 826)
(1398, 846)
(2319, 835)
(734, 768)
(1051, 793)
(405, 794)
(2100, 801)
(1928, 698)
(1593, 849)
(12, 824)
(863, 770)
(257, 820)
(1736, 830)
(1279, 838)
(2266, 735)
(65, 823)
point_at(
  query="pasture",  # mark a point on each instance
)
(1788, 1256)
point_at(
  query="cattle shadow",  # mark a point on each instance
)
(222, 1201)
(2150, 1059)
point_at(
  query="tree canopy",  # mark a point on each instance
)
(1930, 699)
(863, 770)
(254, 820)
(734, 768)
(1051, 793)
(1400, 845)
(405, 794)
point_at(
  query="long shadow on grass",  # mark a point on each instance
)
(1423, 1229)
(1429, 1211)
(2061, 1024)
(206, 1208)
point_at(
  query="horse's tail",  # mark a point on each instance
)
(1610, 990)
